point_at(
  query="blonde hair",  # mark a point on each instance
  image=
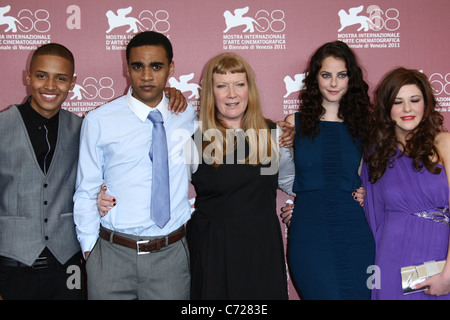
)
(261, 148)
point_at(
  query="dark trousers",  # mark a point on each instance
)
(47, 279)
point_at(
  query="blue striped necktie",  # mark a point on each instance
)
(160, 202)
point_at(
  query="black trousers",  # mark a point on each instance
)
(46, 280)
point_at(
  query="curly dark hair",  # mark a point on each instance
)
(420, 143)
(353, 107)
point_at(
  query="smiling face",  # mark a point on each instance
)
(407, 110)
(231, 97)
(332, 79)
(149, 69)
(50, 79)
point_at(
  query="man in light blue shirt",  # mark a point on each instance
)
(128, 255)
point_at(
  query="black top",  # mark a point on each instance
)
(43, 134)
(234, 235)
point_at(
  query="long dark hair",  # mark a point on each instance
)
(419, 144)
(354, 105)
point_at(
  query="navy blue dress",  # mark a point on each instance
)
(330, 244)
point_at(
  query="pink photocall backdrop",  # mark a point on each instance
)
(277, 38)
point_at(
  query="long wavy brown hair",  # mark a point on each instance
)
(354, 105)
(419, 143)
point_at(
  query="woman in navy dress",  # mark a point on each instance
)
(330, 244)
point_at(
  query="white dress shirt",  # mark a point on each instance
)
(114, 144)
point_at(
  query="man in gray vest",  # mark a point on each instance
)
(39, 144)
(38, 160)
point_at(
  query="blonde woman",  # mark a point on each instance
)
(234, 234)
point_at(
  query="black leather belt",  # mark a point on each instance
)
(43, 261)
(143, 246)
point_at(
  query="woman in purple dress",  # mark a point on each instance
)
(407, 186)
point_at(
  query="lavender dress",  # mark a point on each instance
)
(408, 230)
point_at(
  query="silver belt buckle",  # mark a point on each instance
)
(40, 263)
(138, 248)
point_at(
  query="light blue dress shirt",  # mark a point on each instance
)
(114, 144)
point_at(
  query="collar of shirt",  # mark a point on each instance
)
(35, 118)
(141, 110)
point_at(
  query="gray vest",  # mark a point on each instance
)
(36, 210)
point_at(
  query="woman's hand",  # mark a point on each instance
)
(177, 102)
(437, 285)
(104, 201)
(286, 212)
(286, 140)
(359, 195)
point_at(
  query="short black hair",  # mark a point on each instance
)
(150, 38)
(54, 49)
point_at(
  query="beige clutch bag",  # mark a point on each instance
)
(415, 274)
